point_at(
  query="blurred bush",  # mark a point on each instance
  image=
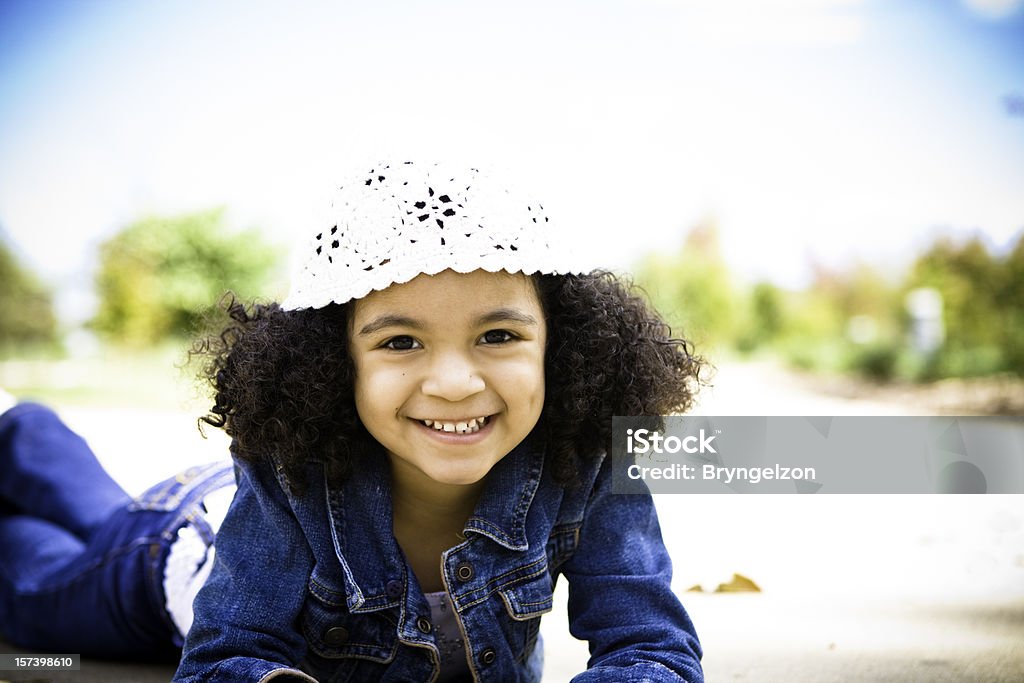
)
(693, 289)
(983, 305)
(855, 319)
(26, 305)
(158, 277)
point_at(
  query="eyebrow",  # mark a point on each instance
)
(389, 320)
(499, 315)
(495, 316)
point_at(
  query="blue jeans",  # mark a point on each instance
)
(81, 561)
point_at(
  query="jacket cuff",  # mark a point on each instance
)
(641, 672)
(287, 676)
(236, 669)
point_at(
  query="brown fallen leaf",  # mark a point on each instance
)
(738, 584)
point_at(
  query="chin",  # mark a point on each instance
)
(459, 477)
(459, 480)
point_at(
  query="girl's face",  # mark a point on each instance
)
(450, 370)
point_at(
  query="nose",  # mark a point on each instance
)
(453, 376)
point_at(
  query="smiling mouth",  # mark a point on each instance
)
(458, 427)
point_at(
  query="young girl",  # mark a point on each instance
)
(419, 434)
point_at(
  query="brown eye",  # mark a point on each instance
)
(497, 337)
(401, 343)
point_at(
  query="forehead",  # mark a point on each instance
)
(448, 292)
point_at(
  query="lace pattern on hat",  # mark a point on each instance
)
(402, 220)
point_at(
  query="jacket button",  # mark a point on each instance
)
(464, 571)
(423, 624)
(336, 636)
(394, 589)
(488, 656)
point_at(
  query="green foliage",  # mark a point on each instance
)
(853, 320)
(158, 276)
(967, 277)
(856, 320)
(766, 301)
(694, 289)
(983, 305)
(26, 306)
(766, 318)
(877, 361)
(1009, 298)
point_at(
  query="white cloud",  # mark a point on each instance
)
(994, 9)
(750, 23)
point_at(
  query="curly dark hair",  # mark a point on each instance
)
(283, 380)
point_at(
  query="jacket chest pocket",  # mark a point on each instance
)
(334, 635)
(525, 602)
(530, 597)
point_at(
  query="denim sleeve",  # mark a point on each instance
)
(245, 615)
(620, 594)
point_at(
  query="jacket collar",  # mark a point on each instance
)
(511, 485)
(361, 521)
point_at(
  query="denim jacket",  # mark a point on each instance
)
(313, 586)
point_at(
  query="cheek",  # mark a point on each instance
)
(378, 390)
(525, 383)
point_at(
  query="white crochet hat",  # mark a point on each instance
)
(404, 219)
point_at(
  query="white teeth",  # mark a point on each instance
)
(469, 427)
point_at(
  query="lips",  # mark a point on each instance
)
(463, 426)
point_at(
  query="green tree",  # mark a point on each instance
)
(26, 306)
(983, 305)
(967, 276)
(1010, 300)
(765, 319)
(694, 289)
(158, 276)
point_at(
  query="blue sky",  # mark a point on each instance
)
(810, 130)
